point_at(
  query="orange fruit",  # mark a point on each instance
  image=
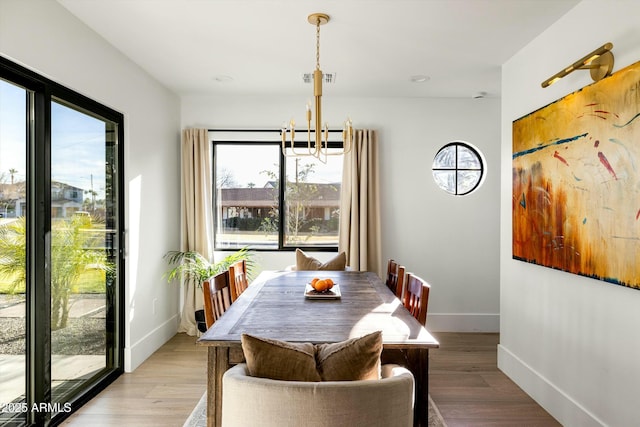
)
(314, 280)
(321, 285)
(329, 283)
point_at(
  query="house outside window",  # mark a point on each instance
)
(252, 209)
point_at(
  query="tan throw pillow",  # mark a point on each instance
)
(350, 360)
(279, 360)
(306, 262)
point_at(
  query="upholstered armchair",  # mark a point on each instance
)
(261, 402)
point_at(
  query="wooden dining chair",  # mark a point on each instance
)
(395, 277)
(416, 297)
(217, 297)
(238, 278)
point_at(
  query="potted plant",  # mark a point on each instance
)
(192, 266)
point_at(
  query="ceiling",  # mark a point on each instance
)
(263, 47)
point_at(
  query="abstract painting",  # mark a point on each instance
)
(576, 182)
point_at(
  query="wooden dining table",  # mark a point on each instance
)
(275, 306)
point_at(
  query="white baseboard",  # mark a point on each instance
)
(139, 351)
(463, 322)
(561, 406)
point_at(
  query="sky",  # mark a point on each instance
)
(12, 132)
(247, 169)
(78, 143)
(78, 149)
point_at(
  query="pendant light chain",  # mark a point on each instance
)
(318, 44)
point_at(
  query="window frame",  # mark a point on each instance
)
(275, 139)
(41, 93)
(456, 169)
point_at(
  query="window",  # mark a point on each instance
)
(312, 201)
(252, 208)
(246, 196)
(458, 168)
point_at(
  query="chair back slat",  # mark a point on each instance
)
(392, 275)
(400, 283)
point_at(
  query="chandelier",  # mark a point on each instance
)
(320, 147)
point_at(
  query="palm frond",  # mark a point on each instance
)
(192, 266)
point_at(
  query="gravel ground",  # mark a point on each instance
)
(81, 336)
(84, 335)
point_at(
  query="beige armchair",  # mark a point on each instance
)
(261, 402)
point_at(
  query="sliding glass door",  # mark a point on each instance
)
(82, 257)
(61, 264)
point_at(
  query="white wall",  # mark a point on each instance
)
(43, 36)
(571, 342)
(450, 241)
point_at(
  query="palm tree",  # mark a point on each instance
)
(93, 195)
(12, 253)
(71, 254)
(12, 172)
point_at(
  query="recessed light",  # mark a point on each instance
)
(419, 78)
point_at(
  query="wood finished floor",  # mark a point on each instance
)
(464, 382)
(162, 392)
(469, 390)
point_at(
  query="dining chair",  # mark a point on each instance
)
(416, 297)
(395, 277)
(217, 297)
(238, 278)
(387, 401)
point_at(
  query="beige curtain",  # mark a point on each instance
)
(360, 204)
(197, 222)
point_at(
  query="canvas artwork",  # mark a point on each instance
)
(576, 182)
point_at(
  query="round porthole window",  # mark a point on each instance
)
(458, 168)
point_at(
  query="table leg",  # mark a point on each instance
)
(418, 364)
(217, 365)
